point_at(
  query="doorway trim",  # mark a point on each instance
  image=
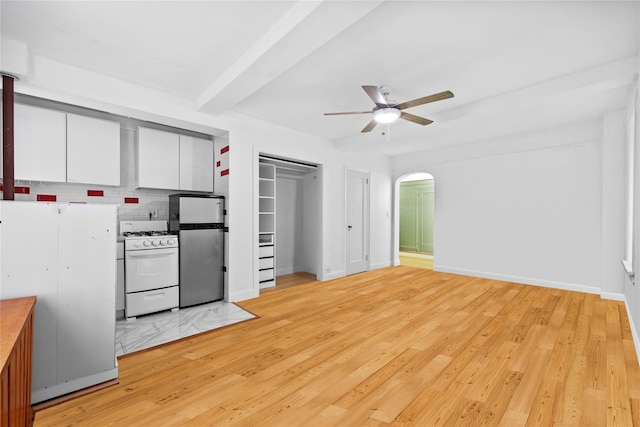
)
(396, 217)
(366, 220)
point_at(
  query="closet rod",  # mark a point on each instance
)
(291, 162)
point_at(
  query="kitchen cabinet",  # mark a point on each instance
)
(40, 152)
(63, 253)
(158, 159)
(93, 150)
(55, 146)
(196, 164)
(171, 161)
(266, 224)
(120, 280)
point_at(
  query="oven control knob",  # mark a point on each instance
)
(156, 242)
(137, 244)
(147, 243)
(163, 242)
(171, 241)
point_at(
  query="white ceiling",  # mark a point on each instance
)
(514, 66)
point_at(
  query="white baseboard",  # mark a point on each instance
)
(333, 275)
(519, 279)
(612, 296)
(379, 265)
(67, 387)
(634, 331)
(243, 295)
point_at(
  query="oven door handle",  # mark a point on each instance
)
(151, 252)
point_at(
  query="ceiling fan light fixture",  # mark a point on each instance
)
(386, 115)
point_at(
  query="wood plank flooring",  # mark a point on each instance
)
(399, 346)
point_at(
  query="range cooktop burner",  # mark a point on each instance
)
(145, 233)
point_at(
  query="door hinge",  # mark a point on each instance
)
(224, 268)
(367, 180)
(366, 257)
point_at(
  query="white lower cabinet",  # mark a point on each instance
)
(63, 254)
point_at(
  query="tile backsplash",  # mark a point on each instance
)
(133, 203)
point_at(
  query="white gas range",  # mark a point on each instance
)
(151, 261)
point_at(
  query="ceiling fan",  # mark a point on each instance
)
(386, 111)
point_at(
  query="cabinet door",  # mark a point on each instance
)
(158, 159)
(40, 152)
(93, 150)
(196, 164)
(86, 290)
(29, 266)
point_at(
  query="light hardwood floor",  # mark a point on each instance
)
(397, 346)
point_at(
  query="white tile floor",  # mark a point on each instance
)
(160, 328)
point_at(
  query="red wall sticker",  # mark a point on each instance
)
(95, 193)
(224, 149)
(18, 190)
(218, 164)
(224, 172)
(46, 197)
(131, 200)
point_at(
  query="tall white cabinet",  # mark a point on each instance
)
(63, 254)
(267, 224)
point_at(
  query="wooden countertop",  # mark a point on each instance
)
(13, 314)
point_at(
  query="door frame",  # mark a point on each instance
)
(396, 217)
(367, 218)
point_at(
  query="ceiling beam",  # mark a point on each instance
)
(304, 28)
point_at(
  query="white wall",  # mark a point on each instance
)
(632, 290)
(247, 137)
(289, 225)
(526, 208)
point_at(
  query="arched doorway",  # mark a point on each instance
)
(415, 220)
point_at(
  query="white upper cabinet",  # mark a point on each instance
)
(158, 159)
(196, 164)
(93, 150)
(40, 137)
(173, 162)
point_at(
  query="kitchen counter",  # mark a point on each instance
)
(16, 349)
(14, 314)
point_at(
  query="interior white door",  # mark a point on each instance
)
(357, 204)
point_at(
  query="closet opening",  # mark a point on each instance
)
(416, 220)
(289, 210)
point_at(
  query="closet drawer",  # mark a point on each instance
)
(265, 275)
(265, 263)
(265, 251)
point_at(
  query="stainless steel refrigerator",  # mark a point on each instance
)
(198, 220)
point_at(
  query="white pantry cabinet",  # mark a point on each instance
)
(93, 150)
(158, 159)
(63, 254)
(40, 152)
(196, 164)
(173, 162)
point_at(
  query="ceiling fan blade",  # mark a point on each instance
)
(424, 100)
(415, 119)
(370, 126)
(347, 112)
(375, 95)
